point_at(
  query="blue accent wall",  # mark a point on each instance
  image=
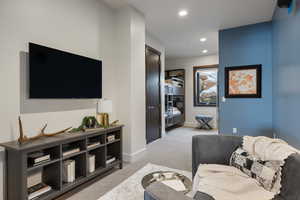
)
(286, 75)
(247, 45)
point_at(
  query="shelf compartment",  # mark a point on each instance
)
(51, 175)
(48, 195)
(48, 174)
(53, 152)
(117, 140)
(95, 147)
(73, 155)
(43, 164)
(116, 134)
(113, 150)
(113, 164)
(98, 139)
(78, 181)
(76, 147)
(100, 156)
(80, 166)
(97, 172)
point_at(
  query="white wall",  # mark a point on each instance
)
(156, 44)
(138, 81)
(131, 80)
(82, 27)
(123, 74)
(88, 28)
(188, 64)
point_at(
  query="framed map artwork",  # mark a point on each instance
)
(243, 81)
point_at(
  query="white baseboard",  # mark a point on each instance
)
(134, 156)
(191, 124)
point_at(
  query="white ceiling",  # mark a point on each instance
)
(181, 36)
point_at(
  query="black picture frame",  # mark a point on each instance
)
(258, 69)
(196, 86)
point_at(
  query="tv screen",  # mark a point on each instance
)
(58, 74)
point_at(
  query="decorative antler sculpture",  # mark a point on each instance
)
(23, 138)
(114, 123)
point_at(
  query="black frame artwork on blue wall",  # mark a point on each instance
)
(258, 77)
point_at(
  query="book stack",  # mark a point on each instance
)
(93, 144)
(111, 138)
(69, 171)
(68, 150)
(34, 177)
(38, 158)
(110, 159)
(38, 190)
(92, 162)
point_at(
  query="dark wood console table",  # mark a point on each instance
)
(18, 169)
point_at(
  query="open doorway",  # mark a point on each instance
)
(199, 91)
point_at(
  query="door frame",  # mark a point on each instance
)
(149, 48)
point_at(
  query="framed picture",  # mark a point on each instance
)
(243, 81)
(205, 85)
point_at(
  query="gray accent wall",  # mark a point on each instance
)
(286, 75)
(247, 45)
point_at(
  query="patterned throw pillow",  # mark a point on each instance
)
(242, 160)
(265, 172)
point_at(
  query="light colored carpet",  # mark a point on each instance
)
(173, 151)
(131, 188)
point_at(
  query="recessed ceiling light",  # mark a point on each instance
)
(203, 39)
(183, 13)
(205, 51)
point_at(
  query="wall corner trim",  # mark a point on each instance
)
(130, 158)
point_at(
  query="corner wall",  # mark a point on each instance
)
(286, 73)
(247, 45)
(138, 81)
(130, 80)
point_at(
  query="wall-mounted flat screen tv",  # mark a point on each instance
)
(55, 74)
